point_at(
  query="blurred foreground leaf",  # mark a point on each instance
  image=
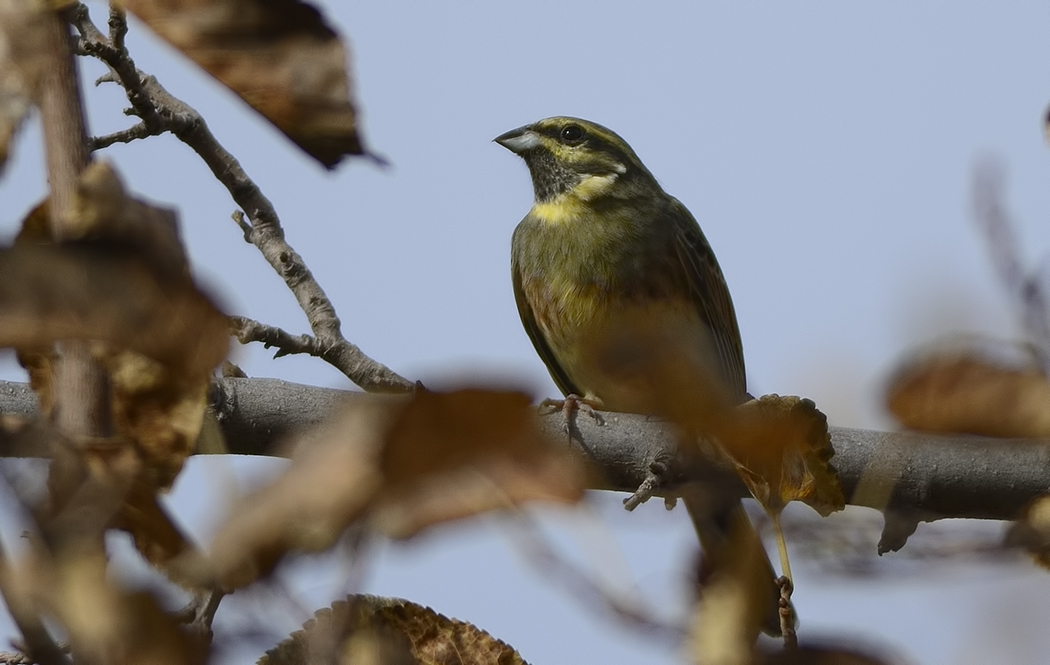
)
(122, 283)
(280, 56)
(970, 392)
(389, 631)
(399, 466)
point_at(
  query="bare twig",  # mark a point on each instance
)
(532, 544)
(654, 477)
(338, 352)
(160, 112)
(249, 330)
(133, 133)
(1000, 236)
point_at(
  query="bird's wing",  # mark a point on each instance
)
(528, 319)
(709, 293)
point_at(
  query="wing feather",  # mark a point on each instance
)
(709, 292)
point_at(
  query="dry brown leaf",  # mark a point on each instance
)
(122, 283)
(281, 57)
(104, 293)
(406, 464)
(782, 450)
(126, 282)
(389, 631)
(968, 392)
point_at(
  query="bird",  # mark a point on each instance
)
(620, 292)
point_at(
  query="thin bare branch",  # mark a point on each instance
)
(529, 540)
(161, 112)
(133, 133)
(1024, 287)
(338, 352)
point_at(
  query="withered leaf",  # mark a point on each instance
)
(969, 392)
(98, 292)
(782, 450)
(121, 282)
(393, 632)
(400, 465)
(281, 57)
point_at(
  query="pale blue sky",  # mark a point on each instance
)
(825, 148)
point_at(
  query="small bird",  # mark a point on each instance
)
(616, 285)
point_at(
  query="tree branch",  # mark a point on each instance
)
(929, 477)
(160, 112)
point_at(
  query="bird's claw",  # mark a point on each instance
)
(572, 403)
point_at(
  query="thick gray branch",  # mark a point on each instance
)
(927, 477)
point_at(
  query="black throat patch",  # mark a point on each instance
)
(549, 178)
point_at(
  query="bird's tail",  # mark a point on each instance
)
(733, 549)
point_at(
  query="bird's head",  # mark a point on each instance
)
(570, 156)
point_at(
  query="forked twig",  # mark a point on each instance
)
(160, 113)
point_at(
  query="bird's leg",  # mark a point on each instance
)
(573, 403)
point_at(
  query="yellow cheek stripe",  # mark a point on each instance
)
(571, 205)
(594, 186)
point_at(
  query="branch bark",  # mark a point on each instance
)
(925, 476)
(82, 407)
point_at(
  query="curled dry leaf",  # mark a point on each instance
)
(391, 631)
(281, 57)
(971, 392)
(782, 450)
(399, 465)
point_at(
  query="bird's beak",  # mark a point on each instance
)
(519, 140)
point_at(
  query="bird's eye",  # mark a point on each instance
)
(572, 133)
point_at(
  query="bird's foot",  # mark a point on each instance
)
(573, 403)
